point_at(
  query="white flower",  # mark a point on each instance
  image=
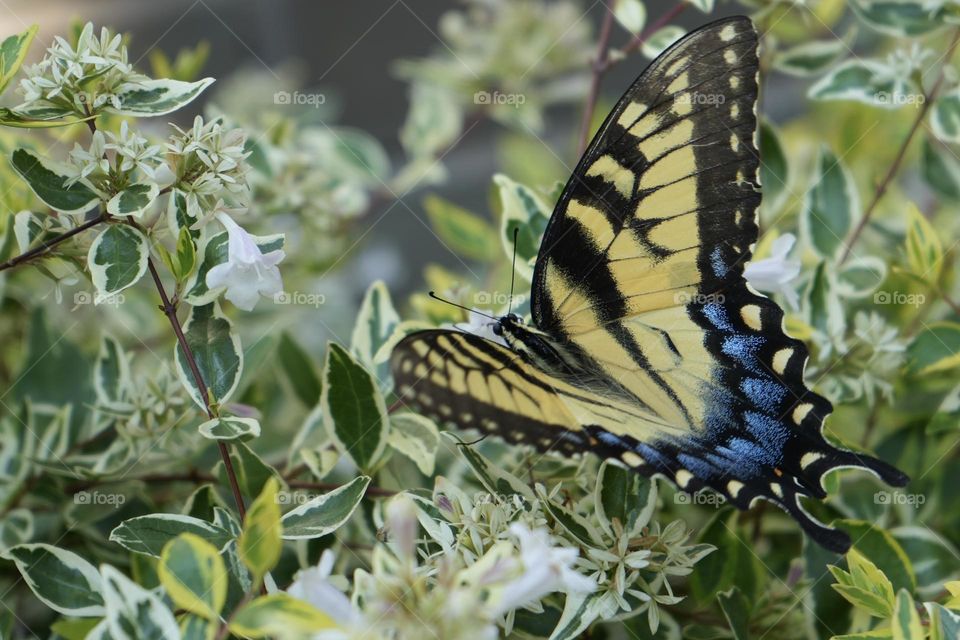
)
(776, 273)
(248, 273)
(545, 569)
(480, 324)
(314, 586)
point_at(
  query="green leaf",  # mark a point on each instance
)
(72, 628)
(132, 611)
(936, 348)
(865, 586)
(133, 200)
(524, 209)
(279, 615)
(860, 276)
(117, 258)
(354, 412)
(900, 18)
(230, 428)
(658, 42)
(736, 609)
(774, 170)
(49, 183)
(810, 58)
(157, 97)
(186, 254)
(326, 513)
(299, 369)
(22, 120)
(216, 350)
(111, 374)
(715, 572)
(944, 623)
(945, 117)
(941, 170)
(149, 534)
(933, 557)
(260, 543)
(878, 545)
(906, 621)
(498, 481)
(625, 495)
(252, 472)
(462, 232)
(193, 573)
(924, 248)
(830, 206)
(376, 321)
(13, 50)
(572, 522)
(60, 579)
(579, 612)
(433, 122)
(416, 437)
(631, 14)
(866, 81)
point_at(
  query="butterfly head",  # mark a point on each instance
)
(509, 327)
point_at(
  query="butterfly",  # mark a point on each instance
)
(647, 344)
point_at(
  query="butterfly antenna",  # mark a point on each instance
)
(513, 269)
(460, 306)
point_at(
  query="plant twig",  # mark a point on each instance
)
(599, 66)
(894, 168)
(53, 242)
(171, 312)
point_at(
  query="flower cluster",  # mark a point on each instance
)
(111, 159)
(81, 78)
(208, 162)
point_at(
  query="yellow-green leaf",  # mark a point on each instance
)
(260, 543)
(193, 573)
(279, 615)
(924, 249)
(461, 231)
(906, 621)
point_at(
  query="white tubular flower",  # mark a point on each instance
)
(248, 273)
(402, 525)
(315, 587)
(776, 273)
(545, 569)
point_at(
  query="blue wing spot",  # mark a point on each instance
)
(747, 453)
(717, 262)
(743, 349)
(765, 394)
(611, 440)
(770, 433)
(717, 316)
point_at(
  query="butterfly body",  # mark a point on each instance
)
(646, 342)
